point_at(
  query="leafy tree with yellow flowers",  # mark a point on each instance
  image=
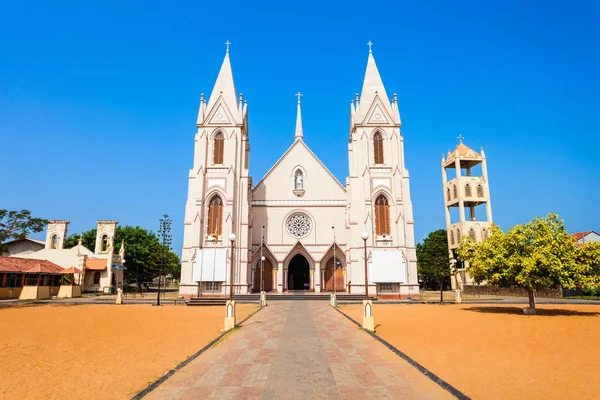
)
(535, 255)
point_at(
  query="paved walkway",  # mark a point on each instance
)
(298, 350)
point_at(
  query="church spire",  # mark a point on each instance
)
(299, 134)
(372, 85)
(224, 85)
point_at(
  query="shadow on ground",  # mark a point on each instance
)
(539, 311)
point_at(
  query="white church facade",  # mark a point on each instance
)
(299, 218)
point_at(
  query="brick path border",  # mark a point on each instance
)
(191, 358)
(442, 383)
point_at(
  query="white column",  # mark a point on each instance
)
(279, 277)
(317, 277)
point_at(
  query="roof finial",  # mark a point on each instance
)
(460, 138)
(227, 43)
(370, 44)
(299, 134)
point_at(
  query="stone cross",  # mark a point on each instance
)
(227, 43)
(370, 44)
(460, 138)
(298, 95)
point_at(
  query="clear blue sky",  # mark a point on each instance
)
(98, 101)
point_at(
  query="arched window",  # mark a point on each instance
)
(484, 234)
(468, 190)
(455, 191)
(215, 216)
(298, 180)
(378, 148)
(104, 243)
(479, 190)
(218, 144)
(54, 241)
(451, 237)
(382, 216)
(472, 233)
(97, 278)
(449, 198)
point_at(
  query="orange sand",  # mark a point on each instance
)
(98, 351)
(494, 352)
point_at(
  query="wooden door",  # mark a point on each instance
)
(267, 276)
(339, 277)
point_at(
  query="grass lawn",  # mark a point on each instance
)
(495, 352)
(98, 351)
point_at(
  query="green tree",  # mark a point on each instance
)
(535, 255)
(588, 260)
(433, 261)
(17, 225)
(140, 247)
(88, 239)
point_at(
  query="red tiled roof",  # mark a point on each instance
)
(580, 235)
(72, 270)
(29, 266)
(96, 264)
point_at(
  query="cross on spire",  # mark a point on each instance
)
(227, 43)
(298, 95)
(460, 138)
(370, 44)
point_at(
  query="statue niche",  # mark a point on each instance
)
(298, 183)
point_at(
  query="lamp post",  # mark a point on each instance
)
(364, 236)
(263, 295)
(232, 238)
(368, 322)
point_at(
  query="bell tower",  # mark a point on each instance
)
(467, 192)
(379, 192)
(218, 192)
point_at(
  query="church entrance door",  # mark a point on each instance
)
(298, 273)
(267, 276)
(339, 276)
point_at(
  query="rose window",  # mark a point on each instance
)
(298, 225)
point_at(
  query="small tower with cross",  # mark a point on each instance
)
(298, 135)
(467, 202)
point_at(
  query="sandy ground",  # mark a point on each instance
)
(98, 351)
(494, 352)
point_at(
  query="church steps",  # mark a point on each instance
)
(254, 298)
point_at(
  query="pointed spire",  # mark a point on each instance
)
(202, 111)
(122, 249)
(299, 134)
(224, 85)
(372, 85)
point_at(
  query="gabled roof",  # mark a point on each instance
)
(463, 150)
(297, 143)
(28, 265)
(26, 240)
(581, 235)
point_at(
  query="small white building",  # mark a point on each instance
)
(101, 268)
(586, 237)
(23, 246)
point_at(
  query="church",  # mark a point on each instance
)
(298, 227)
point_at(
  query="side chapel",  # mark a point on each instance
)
(299, 217)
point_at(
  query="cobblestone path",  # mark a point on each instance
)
(298, 350)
